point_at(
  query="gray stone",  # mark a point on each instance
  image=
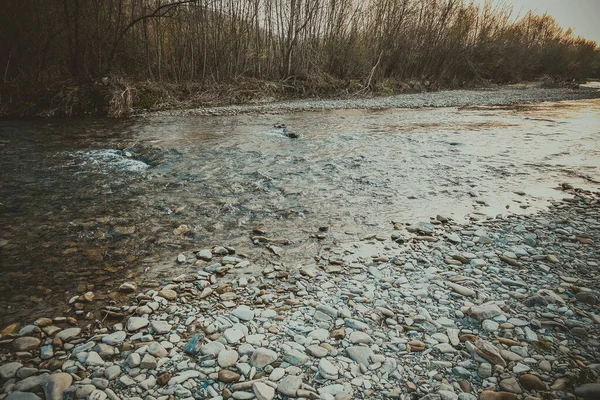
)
(212, 349)
(530, 335)
(357, 337)
(295, 357)
(327, 309)
(320, 334)
(160, 327)
(489, 326)
(104, 350)
(356, 324)
(68, 334)
(484, 311)
(9, 370)
(317, 351)
(484, 370)
(244, 313)
(204, 254)
(22, 396)
(465, 291)
(589, 391)
(31, 384)
(263, 391)
(136, 323)
(262, 357)
(98, 395)
(227, 358)
(134, 360)
(360, 354)
(510, 385)
(327, 369)
(115, 338)
(289, 385)
(157, 350)
(93, 359)
(148, 362)
(56, 384)
(234, 334)
(112, 372)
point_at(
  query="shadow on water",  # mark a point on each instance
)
(81, 208)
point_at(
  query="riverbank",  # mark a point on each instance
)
(515, 96)
(500, 308)
(117, 97)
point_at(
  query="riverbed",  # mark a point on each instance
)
(79, 214)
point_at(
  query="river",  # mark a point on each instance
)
(77, 214)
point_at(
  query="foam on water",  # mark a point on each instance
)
(107, 159)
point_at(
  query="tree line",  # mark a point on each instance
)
(351, 44)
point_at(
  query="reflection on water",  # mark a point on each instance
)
(76, 214)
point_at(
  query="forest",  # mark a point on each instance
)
(69, 57)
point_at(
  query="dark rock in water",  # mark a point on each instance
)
(279, 126)
(292, 135)
(588, 391)
(193, 346)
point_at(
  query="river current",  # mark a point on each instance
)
(78, 214)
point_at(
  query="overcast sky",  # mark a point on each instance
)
(581, 15)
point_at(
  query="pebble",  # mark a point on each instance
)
(136, 323)
(262, 357)
(227, 358)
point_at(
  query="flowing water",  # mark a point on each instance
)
(77, 214)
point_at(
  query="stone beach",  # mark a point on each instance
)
(498, 308)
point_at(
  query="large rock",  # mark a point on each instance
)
(22, 396)
(157, 350)
(262, 357)
(56, 384)
(68, 334)
(490, 352)
(148, 362)
(115, 338)
(26, 343)
(532, 382)
(327, 369)
(263, 391)
(484, 311)
(358, 337)
(136, 323)
(465, 291)
(160, 327)
(295, 357)
(289, 385)
(212, 349)
(9, 370)
(360, 354)
(31, 384)
(93, 359)
(227, 358)
(588, 391)
(244, 313)
(510, 385)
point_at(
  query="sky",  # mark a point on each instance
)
(581, 15)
